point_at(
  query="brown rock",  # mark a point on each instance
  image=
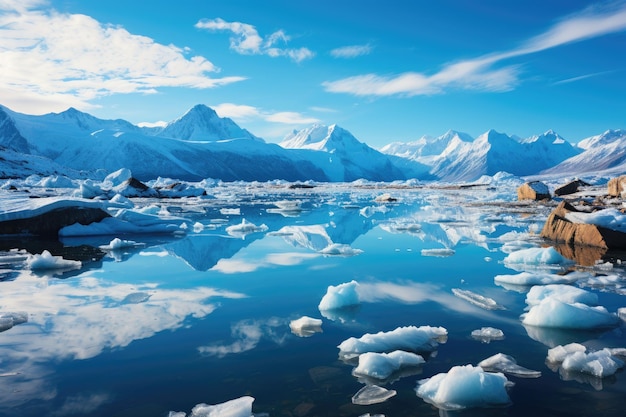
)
(534, 190)
(559, 229)
(617, 186)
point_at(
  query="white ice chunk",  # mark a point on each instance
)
(383, 365)
(340, 250)
(538, 278)
(564, 293)
(465, 387)
(477, 299)
(574, 358)
(487, 334)
(551, 312)
(117, 244)
(443, 252)
(372, 394)
(305, 326)
(508, 365)
(621, 312)
(536, 257)
(46, 261)
(340, 296)
(409, 338)
(609, 218)
(245, 228)
(240, 407)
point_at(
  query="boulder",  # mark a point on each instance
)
(534, 190)
(569, 188)
(559, 229)
(617, 186)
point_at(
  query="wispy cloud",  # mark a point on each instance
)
(49, 57)
(247, 41)
(242, 112)
(351, 51)
(581, 77)
(481, 73)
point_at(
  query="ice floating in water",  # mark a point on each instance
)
(487, 334)
(444, 252)
(230, 211)
(383, 365)
(372, 394)
(340, 249)
(117, 244)
(8, 320)
(574, 358)
(532, 278)
(245, 228)
(289, 205)
(465, 387)
(240, 407)
(508, 365)
(621, 312)
(551, 312)
(564, 293)
(46, 261)
(477, 299)
(305, 326)
(340, 296)
(537, 257)
(410, 338)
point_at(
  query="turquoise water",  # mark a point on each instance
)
(208, 317)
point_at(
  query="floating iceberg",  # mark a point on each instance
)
(240, 407)
(532, 278)
(564, 293)
(245, 228)
(410, 338)
(305, 326)
(477, 299)
(465, 387)
(383, 365)
(443, 252)
(551, 312)
(487, 334)
(46, 261)
(508, 365)
(372, 394)
(340, 296)
(117, 244)
(574, 358)
(537, 257)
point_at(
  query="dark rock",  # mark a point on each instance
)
(569, 188)
(534, 190)
(50, 222)
(559, 229)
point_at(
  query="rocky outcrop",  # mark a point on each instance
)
(569, 188)
(50, 222)
(534, 190)
(617, 186)
(559, 229)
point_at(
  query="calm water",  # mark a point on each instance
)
(204, 318)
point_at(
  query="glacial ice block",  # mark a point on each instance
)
(382, 365)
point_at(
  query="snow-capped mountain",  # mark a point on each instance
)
(201, 123)
(605, 152)
(349, 158)
(426, 148)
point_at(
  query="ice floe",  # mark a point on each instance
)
(551, 312)
(477, 299)
(508, 365)
(240, 407)
(487, 334)
(10, 319)
(575, 358)
(564, 293)
(536, 257)
(338, 249)
(539, 278)
(382, 365)
(245, 228)
(409, 338)
(305, 326)
(372, 394)
(465, 387)
(443, 252)
(46, 261)
(118, 244)
(340, 296)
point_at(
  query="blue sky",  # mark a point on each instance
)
(390, 70)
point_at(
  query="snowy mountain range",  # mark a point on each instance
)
(200, 144)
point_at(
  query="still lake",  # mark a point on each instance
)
(203, 317)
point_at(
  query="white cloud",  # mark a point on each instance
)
(479, 73)
(51, 60)
(248, 334)
(242, 112)
(351, 51)
(247, 41)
